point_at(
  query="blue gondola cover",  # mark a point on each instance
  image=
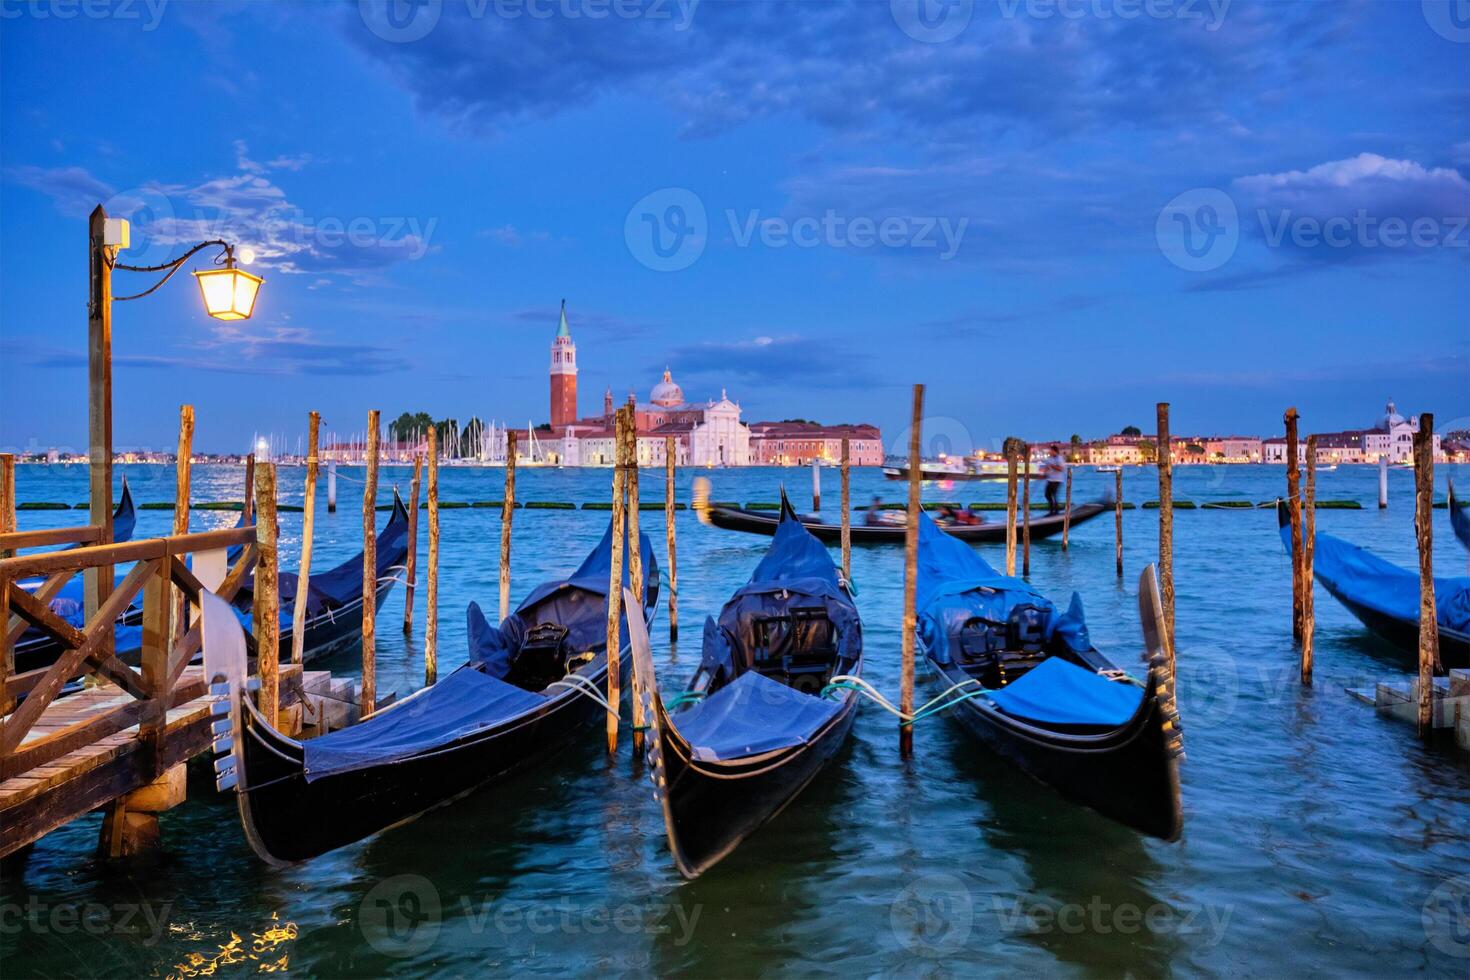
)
(1056, 692)
(461, 704)
(751, 715)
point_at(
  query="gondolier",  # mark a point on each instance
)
(1054, 469)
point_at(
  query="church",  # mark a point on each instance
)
(707, 433)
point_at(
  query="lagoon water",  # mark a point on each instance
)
(1318, 838)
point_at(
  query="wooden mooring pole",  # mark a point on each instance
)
(431, 590)
(1067, 508)
(370, 572)
(1010, 507)
(308, 531)
(1309, 544)
(911, 575)
(1294, 507)
(1165, 451)
(1383, 481)
(411, 571)
(248, 507)
(615, 579)
(507, 515)
(182, 470)
(846, 509)
(7, 499)
(635, 564)
(671, 448)
(1118, 519)
(1424, 532)
(1026, 515)
(266, 611)
(98, 581)
(332, 487)
(816, 485)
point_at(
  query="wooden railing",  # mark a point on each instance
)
(165, 651)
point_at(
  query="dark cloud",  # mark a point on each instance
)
(75, 191)
(770, 362)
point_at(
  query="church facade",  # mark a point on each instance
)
(705, 433)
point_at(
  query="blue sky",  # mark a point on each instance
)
(1054, 215)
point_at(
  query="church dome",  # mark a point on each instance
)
(666, 393)
(1391, 417)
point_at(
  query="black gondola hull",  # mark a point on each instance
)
(288, 818)
(1130, 774)
(740, 519)
(710, 807)
(1454, 648)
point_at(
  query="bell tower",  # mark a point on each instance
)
(563, 374)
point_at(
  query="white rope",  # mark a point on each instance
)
(872, 693)
(578, 684)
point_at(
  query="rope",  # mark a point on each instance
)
(687, 697)
(578, 684)
(850, 682)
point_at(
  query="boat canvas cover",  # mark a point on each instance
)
(1056, 692)
(465, 702)
(955, 585)
(1384, 587)
(796, 573)
(752, 715)
(578, 602)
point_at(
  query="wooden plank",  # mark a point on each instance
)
(147, 549)
(153, 656)
(48, 591)
(50, 537)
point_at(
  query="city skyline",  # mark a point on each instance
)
(816, 244)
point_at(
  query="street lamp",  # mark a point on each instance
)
(229, 294)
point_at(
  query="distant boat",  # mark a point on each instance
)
(1107, 468)
(952, 468)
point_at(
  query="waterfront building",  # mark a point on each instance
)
(797, 442)
(563, 374)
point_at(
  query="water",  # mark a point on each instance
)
(1317, 836)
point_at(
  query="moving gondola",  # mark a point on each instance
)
(757, 522)
(333, 610)
(1459, 520)
(1385, 597)
(948, 470)
(1024, 678)
(757, 721)
(529, 689)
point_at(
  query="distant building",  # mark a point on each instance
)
(796, 443)
(1392, 436)
(563, 374)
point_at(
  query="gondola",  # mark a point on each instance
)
(950, 470)
(529, 689)
(1459, 520)
(757, 721)
(1023, 677)
(1385, 597)
(333, 611)
(755, 522)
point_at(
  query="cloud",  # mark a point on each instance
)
(75, 191)
(1347, 209)
(511, 236)
(231, 349)
(810, 362)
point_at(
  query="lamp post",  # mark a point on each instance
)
(229, 294)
